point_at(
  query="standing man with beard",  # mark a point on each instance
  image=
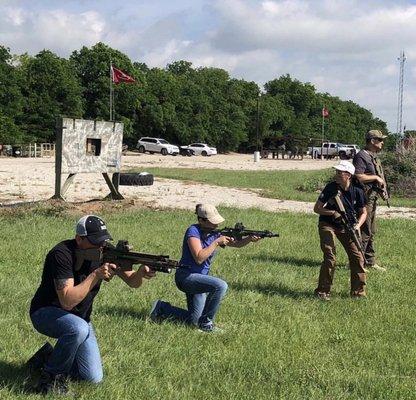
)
(369, 172)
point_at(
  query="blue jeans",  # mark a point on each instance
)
(203, 296)
(76, 352)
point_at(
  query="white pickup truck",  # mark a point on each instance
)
(348, 151)
(333, 149)
(328, 150)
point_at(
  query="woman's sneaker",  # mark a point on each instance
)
(211, 328)
(358, 295)
(323, 296)
(375, 267)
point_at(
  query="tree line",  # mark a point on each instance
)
(180, 103)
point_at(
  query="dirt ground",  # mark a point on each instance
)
(25, 180)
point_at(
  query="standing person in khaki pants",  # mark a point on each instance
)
(369, 172)
(330, 227)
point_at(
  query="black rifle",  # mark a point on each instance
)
(239, 232)
(347, 224)
(122, 256)
(383, 193)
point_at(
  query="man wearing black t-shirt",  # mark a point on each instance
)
(330, 227)
(62, 306)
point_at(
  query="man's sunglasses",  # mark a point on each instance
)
(379, 139)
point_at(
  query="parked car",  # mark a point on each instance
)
(201, 149)
(350, 151)
(156, 145)
(184, 151)
(329, 150)
(332, 149)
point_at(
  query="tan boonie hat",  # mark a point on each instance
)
(375, 134)
(209, 212)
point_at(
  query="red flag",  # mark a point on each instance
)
(325, 112)
(119, 76)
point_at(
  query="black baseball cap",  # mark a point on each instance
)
(93, 228)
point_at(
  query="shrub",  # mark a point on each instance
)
(400, 170)
(317, 183)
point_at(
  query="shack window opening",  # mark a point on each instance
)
(93, 147)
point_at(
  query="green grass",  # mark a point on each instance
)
(285, 185)
(279, 341)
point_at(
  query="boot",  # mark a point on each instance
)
(37, 361)
(52, 384)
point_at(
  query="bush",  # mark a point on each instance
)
(316, 183)
(400, 170)
(9, 132)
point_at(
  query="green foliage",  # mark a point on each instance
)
(181, 103)
(279, 341)
(347, 121)
(9, 132)
(50, 89)
(316, 182)
(92, 67)
(11, 99)
(400, 171)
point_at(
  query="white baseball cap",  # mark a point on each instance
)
(209, 212)
(345, 165)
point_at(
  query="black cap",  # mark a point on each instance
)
(94, 229)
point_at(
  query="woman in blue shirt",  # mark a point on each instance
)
(203, 292)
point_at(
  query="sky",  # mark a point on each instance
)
(347, 48)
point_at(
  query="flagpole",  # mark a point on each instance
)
(111, 91)
(323, 133)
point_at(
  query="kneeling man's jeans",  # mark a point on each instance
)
(76, 352)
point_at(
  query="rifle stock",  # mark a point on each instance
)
(122, 256)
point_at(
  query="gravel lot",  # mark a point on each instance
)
(24, 180)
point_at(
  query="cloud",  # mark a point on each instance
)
(57, 30)
(313, 26)
(348, 48)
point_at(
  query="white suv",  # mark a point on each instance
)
(156, 145)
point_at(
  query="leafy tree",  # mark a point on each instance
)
(298, 98)
(50, 89)
(347, 121)
(11, 99)
(180, 67)
(92, 67)
(156, 109)
(180, 103)
(9, 132)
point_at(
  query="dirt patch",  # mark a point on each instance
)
(232, 161)
(32, 180)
